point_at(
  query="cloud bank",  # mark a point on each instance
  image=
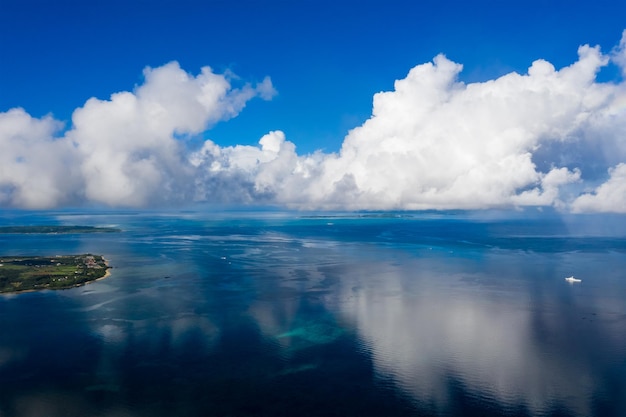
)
(544, 138)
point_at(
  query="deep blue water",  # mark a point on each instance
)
(280, 314)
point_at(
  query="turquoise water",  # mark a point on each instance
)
(280, 314)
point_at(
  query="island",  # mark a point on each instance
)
(47, 229)
(29, 273)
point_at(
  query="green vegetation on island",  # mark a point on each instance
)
(27, 273)
(57, 229)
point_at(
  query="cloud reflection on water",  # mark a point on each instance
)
(502, 345)
(301, 307)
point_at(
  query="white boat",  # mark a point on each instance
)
(572, 279)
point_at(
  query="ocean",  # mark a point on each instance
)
(267, 313)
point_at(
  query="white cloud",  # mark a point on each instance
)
(36, 169)
(549, 192)
(619, 53)
(608, 197)
(122, 151)
(130, 154)
(433, 142)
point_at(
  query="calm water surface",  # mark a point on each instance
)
(285, 315)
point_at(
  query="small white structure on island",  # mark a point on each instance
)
(572, 279)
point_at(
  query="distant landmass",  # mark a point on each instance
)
(28, 273)
(57, 229)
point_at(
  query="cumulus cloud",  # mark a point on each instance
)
(619, 53)
(36, 169)
(542, 138)
(123, 151)
(608, 197)
(130, 154)
(435, 142)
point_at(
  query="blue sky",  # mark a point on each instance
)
(397, 126)
(326, 58)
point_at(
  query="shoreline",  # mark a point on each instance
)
(107, 274)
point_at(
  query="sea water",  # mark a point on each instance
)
(290, 314)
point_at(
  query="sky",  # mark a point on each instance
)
(351, 105)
